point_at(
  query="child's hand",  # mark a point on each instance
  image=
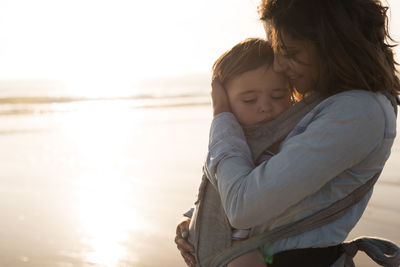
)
(219, 98)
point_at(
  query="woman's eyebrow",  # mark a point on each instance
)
(287, 47)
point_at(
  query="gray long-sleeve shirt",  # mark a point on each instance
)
(335, 148)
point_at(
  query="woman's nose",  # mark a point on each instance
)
(280, 63)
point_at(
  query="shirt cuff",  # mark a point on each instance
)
(189, 213)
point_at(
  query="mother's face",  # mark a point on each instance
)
(299, 61)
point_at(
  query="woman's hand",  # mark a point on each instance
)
(219, 98)
(182, 233)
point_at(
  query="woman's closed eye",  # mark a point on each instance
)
(289, 54)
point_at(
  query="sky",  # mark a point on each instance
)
(85, 39)
(113, 42)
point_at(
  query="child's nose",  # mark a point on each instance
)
(265, 106)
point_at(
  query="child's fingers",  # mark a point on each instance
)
(189, 259)
(183, 245)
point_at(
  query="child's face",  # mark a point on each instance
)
(258, 96)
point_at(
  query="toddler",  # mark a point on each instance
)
(257, 94)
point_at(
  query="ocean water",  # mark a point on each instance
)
(98, 181)
(103, 181)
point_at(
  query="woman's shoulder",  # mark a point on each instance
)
(359, 101)
(357, 98)
(365, 107)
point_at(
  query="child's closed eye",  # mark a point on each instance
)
(250, 100)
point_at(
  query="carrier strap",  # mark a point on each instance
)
(323, 217)
(382, 251)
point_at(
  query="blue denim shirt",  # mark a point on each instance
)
(339, 145)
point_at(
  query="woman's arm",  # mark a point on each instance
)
(339, 135)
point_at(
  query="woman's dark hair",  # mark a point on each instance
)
(247, 55)
(351, 38)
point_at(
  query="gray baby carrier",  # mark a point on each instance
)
(210, 231)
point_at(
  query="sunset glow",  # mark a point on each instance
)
(100, 48)
(98, 133)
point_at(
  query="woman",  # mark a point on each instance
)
(338, 49)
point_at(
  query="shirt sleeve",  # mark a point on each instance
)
(339, 136)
